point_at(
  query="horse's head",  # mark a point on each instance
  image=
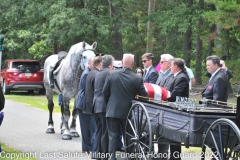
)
(87, 53)
(83, 52)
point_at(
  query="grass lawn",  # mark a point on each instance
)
(9, 153)
(35, 100)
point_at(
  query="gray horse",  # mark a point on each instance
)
(67, 76)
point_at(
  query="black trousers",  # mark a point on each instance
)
(101, 138)
(175, 151)
(87, 127)
(113, 126)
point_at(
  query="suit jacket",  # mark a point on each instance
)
(99, 105)
(120, 88)
(151, 76)
(216, 89)
(89, 92)
(229, 75)
(163, 80)
(178, 86)
(82, 86)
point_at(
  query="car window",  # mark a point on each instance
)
(26, 65)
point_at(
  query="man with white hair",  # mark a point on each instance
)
(120, 88)
(165, 73)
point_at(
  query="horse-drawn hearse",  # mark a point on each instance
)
(211, 125)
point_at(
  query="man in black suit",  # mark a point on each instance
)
(85, 119)
(178, 86)
(216, 88)
(150, 74)
(165, 73)
(120, 88)
(99, 105)
(228, 74)
(88, 100)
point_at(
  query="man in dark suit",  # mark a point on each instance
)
(84, 118)
(228, 74)
(120, 88)
(150, 74)
(165, 73)
(99, 106)
(178, 86)
(88, 101)
(216, 88)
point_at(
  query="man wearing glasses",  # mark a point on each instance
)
(150, 75)
(165, 73)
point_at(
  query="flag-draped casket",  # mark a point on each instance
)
(156, 92)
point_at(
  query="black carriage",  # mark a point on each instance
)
(210, 125)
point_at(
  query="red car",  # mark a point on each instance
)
(22, 75)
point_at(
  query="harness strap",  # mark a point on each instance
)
(57, 85)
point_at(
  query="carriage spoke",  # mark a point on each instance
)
(145, 122)
(215, 144)
(129, 135)
(221, 153)
(141, 118)
(144, 144)
(232, 147)
(226, 149)
(138, 119)
(129, 121)
(142, 152)
(129, 145)
(134, 121)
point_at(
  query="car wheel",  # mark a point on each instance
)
(42, 91)
(5, 90)
(30, 91)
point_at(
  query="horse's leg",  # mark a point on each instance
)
(49, 95)
(66, 114)
(62, 118)
(73, 130)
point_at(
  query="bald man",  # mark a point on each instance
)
(120, 88)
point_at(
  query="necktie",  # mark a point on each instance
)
(144, 75)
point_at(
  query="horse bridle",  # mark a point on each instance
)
(81, 58)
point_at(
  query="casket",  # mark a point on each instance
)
(156, 92)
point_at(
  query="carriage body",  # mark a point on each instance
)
(166, 123)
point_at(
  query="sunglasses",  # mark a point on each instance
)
(144, 61)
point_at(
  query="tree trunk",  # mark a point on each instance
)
(54, 47)
(199, 48)
(150, 27)
(212, 35)
(116, 37)
(187, 45)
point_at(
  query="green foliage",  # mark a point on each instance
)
(39, 49)
(32, 28)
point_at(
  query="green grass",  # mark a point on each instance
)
(35, 100)
(9, 153)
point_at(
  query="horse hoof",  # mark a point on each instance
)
(50, 131)
(66, 137)
(74, 134)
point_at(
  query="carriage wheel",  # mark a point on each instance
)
(138, 135)
(222, 141)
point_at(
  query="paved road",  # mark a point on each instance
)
(24, 129)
